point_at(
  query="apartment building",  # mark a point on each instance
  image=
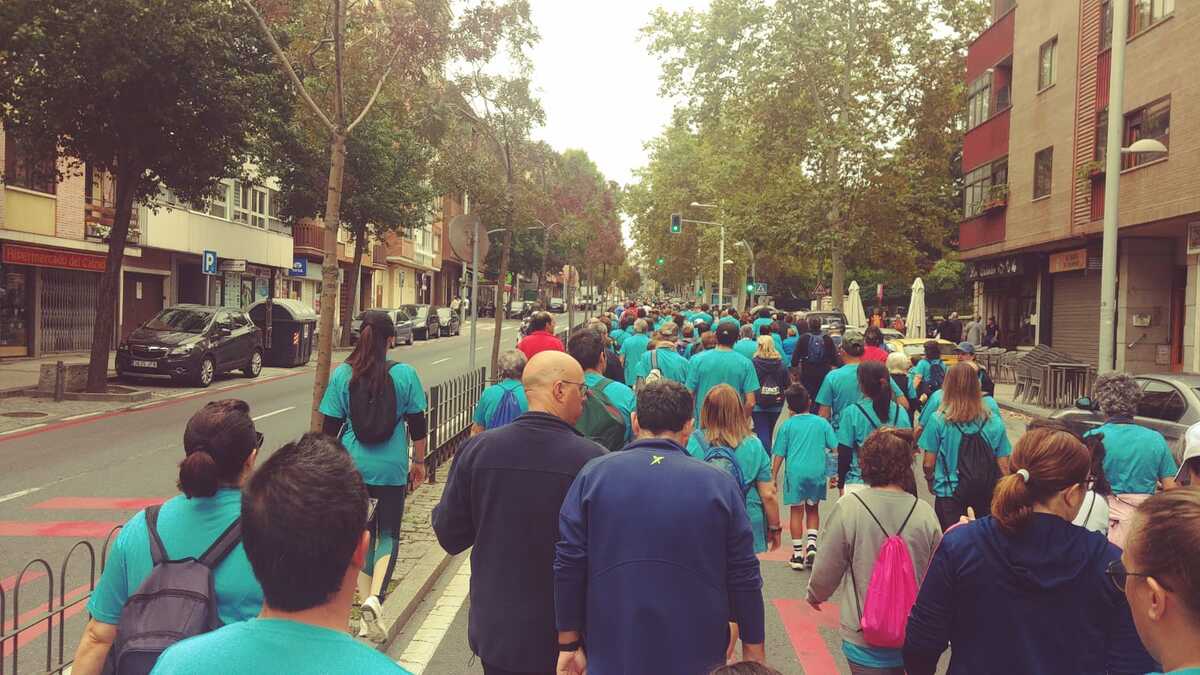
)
(1033, 158)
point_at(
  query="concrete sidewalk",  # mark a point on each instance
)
(22, 373)
(1007, 401)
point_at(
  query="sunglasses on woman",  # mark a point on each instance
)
(1118, 574)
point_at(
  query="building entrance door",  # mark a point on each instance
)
(142, 299)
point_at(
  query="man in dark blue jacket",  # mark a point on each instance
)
(503, 498)
(655, 555)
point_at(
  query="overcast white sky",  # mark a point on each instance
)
(598, 84)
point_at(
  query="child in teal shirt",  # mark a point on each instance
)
(809, 446)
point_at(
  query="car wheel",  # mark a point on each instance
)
(254, 367)
(205, 372)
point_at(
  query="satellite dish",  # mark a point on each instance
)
(462, 236)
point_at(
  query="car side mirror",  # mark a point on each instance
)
(224, 331)
(1084, 403)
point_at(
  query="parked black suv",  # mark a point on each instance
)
(425, 323)
(193, 343)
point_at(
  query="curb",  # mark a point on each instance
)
(403, 601)
(1027, 410)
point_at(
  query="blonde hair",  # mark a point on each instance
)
(962, 399)
(898, 362)
(723, 418)
(766, 348)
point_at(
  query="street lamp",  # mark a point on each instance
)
(720, 255)
(1112, 186)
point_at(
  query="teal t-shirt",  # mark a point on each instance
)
(387, 462)
(673, 366)
(746, 347)
(1182, 671)
(720, 366)
(760, 322)
(620, 395)
(873, 657)
(490, 399)
(1135, 457)
(943, 438)
(730, 320)
(751, 456)
(187, 528)
(935, 400)
(922, 369)
(703, 317)
(804, 441)
(618, 336)
(858, 422)
(840, 389)
(632, 349)
(273, 646)
(778, 343)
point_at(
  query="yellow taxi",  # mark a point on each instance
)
(914, 348)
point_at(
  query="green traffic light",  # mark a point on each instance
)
(661, 261)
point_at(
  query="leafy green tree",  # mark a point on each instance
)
(161, 95)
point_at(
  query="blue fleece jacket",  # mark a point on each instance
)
(655, 556)
(1036, 602)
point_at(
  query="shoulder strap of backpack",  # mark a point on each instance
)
(158, 554)
(864, 412)
(223, 546)
(906, 518)
(872, 514)
(602, 385)
(654, 359)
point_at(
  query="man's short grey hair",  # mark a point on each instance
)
(1118, 394)
(511, 364)
(747, 332)
(641, 326)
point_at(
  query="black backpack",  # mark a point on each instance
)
(373, 413)
(175, 602)
(771, 383)
(814, 350)
(932, 383)
(978, 472)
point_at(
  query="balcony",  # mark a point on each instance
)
(308, 239)
(98, 217)
(379, 256)
(997, 199)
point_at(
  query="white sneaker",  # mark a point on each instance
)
(372, 615)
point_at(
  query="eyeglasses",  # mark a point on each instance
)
(372, 504)
(583, 388)
(258, 440)
(1117, 572)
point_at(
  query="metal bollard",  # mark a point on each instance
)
(60, 381)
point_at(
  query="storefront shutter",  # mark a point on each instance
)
(1076, 322)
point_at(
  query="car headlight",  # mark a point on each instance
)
(182, 349)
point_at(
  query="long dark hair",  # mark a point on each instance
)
(876, 384)
(369, 356)
(217, 440)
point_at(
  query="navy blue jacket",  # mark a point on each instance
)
(502, 497)
(655, 556)
(1036, 602)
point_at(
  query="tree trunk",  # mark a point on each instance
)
(542, 277)
(360, 243)
(329, 275)
(106, 299)
(500, 299)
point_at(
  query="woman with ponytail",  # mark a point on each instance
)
(377, 439)
(220, 446)
(1024, 590)
(877, 409)
(960, 416)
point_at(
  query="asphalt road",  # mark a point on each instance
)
(77, 480)
(800, 640)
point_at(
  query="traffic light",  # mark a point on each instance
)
(676, 223)
(661, 261)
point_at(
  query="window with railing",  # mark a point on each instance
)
(1003, 98)
(1145, 13)
(985, 188)
(1152, 121)
(1047, 55)
(979, 96)
(1043, 172)
(29, 166)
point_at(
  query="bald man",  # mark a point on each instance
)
(502, 497)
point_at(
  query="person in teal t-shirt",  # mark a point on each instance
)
(935, 402)
(672, 366)
(808, 445)
(384, 466)
(746, 344)
(840, 387)
(510, 364)
(633, 347)
(763, 319)
(220, 446)
(962, 413)
(877, 408)
(305, 518)
(1136, 458)
(722, 423)
(722, 365)
(703, 316)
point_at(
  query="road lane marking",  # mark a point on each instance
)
(441, 361)
(79, 417)
(57, 528)
(99, 503)
(425, 642)
(802, 624)
(28, 428)
(20, 493)
(271, 414)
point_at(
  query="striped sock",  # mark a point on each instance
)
(797, 546)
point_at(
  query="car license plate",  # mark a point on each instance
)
(144, 364)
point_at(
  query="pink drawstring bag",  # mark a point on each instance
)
(892, 591)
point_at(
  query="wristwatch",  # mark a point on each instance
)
(570, 646)
(777, 528)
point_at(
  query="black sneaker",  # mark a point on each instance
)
(797, 562)
(810, 555)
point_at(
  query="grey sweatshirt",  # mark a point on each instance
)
(850, 541)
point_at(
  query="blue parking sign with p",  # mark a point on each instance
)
(210, 262)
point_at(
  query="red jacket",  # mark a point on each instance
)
(872, 353)
(540, 341)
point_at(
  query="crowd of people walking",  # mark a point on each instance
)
(615, 492)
